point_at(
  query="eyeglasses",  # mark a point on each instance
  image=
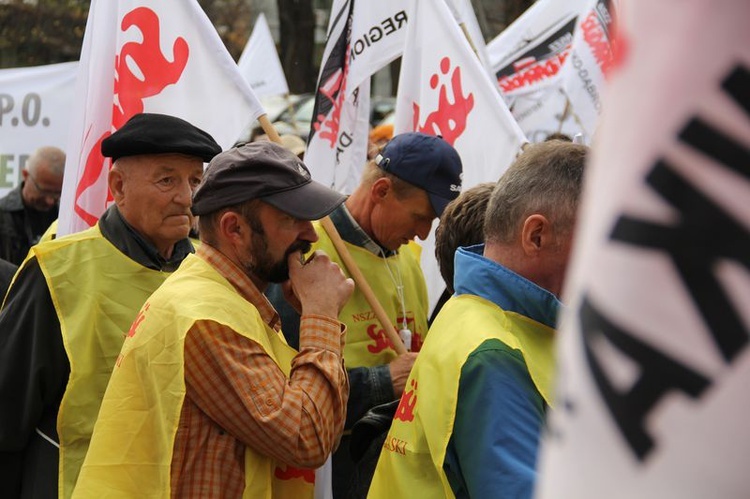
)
(44, 192)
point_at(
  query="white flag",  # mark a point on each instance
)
(377, 37)
(654, 364)
(444, 90)
(337, 145)
(527, 59)
(590, 58)
(259, 63)
(35, 106)
(146, 56)
(463, 12)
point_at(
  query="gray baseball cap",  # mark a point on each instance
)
(266, 171)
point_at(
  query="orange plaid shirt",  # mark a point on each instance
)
(237, 396)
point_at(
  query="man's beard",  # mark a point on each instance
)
(262, 264)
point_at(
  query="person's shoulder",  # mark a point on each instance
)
(11, 201)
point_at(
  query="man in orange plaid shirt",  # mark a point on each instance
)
(207, 399)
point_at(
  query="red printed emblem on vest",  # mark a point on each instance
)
(380, 340)
(405, 409)
(138, 319)
(290, 473)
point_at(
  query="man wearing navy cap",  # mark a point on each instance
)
(402, 191)
(74, 298)
(207, 399)
(483, 381)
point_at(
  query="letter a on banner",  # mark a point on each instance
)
(654, 363)
(146, 56)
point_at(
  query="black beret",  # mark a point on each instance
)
(149, 133)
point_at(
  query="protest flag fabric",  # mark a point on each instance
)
(337, 144)
(444, 90)
(591, 56)
(35, 106)
(259, 63)
(377, 37)
(527, 59)
(146, 56)
(463, 12)
(652, 390)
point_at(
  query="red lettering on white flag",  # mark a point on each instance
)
(155, 72)
(146, 56)
(449, 119)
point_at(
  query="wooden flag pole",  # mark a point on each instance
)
(269, 129)
(361, 282)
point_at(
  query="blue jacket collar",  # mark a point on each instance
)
(477, 275)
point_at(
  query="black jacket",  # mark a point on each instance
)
(20, 226)
(34, 366)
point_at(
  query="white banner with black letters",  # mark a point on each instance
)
(652, 398)
(35, 106)
(527, 59)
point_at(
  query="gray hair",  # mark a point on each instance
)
(545, 179)
(52, 157)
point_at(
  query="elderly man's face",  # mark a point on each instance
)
(156, 195)
(41, 191)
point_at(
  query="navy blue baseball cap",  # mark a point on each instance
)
(426, 161)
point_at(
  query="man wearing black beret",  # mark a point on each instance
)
(74, 298)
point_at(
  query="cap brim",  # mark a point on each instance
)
(438, 203)
(311, 201)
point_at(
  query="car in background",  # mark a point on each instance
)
(276, 106)
(296, 116)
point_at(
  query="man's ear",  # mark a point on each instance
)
(380, 189)
(233, 227)
(536, 234)
(24, 174)
(116, 181)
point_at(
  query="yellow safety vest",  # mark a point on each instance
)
(96, 291)
(366, 342)
(411, 461)
(132, 447)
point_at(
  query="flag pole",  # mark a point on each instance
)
(363, 285)
(269, 129)
(468, 38)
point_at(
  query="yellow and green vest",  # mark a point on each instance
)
(131, 450)
(95, 310)
(366, 342)
(411, 461)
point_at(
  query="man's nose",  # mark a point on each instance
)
(423, 229)
(184, 194)
(307, 231)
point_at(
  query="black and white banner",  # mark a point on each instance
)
(653, 398)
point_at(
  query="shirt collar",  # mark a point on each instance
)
(485, 278)
(351, 232)
(241, 282)
(126, 239)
